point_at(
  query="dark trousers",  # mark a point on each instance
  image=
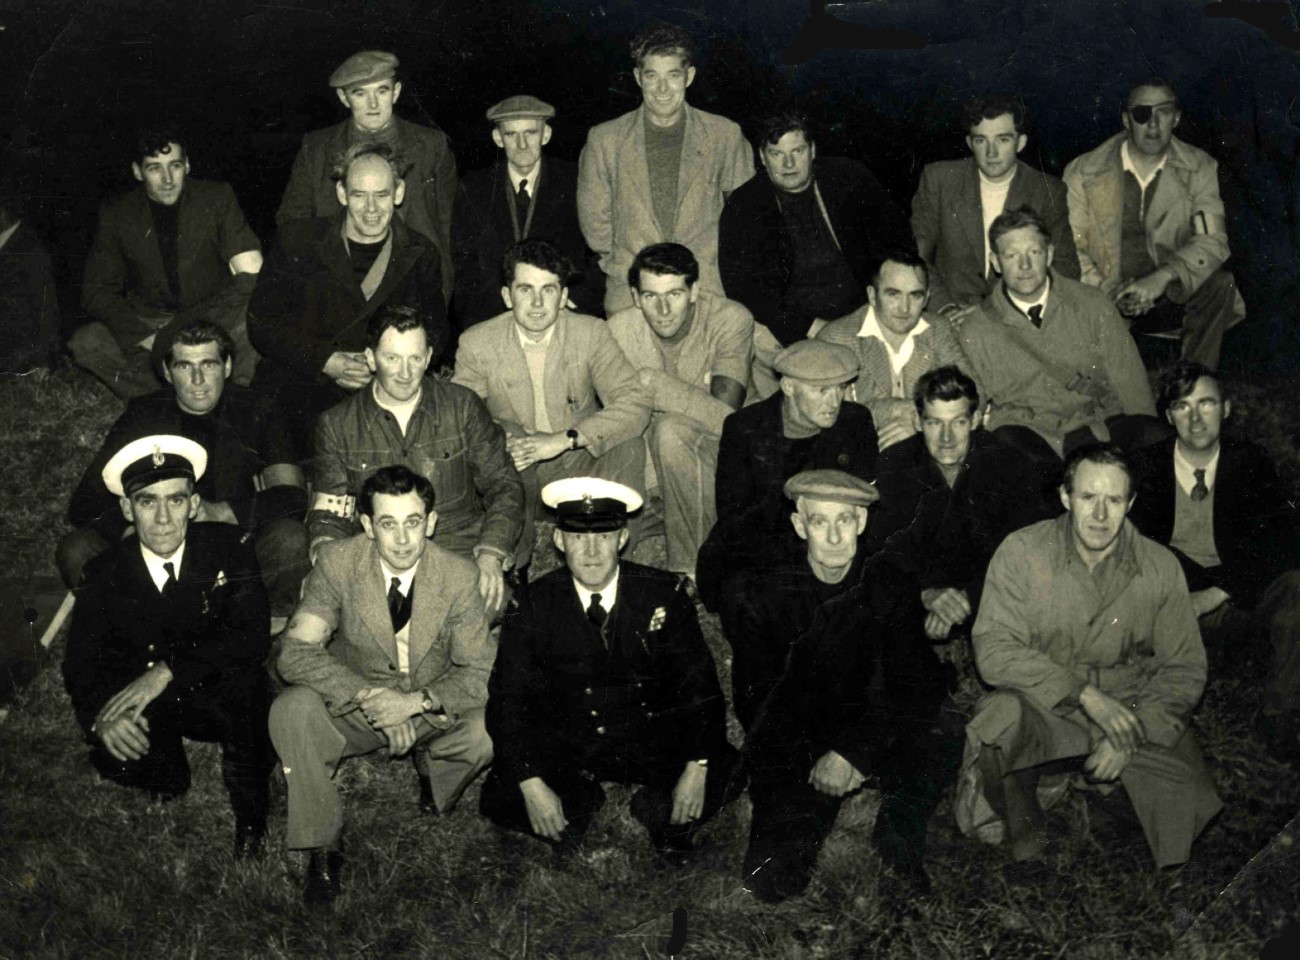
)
(1274, 620)
(231, 711)
(1203, 319)
(1128, 431)
(578, 785)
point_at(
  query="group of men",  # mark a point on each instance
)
(861, 489)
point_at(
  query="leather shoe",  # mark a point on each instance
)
(323, 872)
(250, 839)
(427, 805)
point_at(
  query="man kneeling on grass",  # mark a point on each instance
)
(168, 639)
(389, 648)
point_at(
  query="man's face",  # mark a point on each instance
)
(370, 192)
(592, 557)
(522, 139)
(663, 79)
(163, 174)
(400, 528)
(898, 295)
(1198, 417)
(399, 362)
(831, 529)
(995, 144)
(1022, 257)
(789, 161)
(1098, 503)
(198, 374)
(371, 103)
(666, 301)
(811, 406)
(162, 513)
(1151, 137)
(535, 296)
(946, 426)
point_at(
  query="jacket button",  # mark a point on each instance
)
(587, 691)
(594, 713)
(151, 648)
(392, 666)
(601, 731)
(149, 664)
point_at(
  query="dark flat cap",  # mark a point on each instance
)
(833, 486)
(519, 107)
(590, 504)
(364, 67)
(817, 362)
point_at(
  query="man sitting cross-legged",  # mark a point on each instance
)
(389, 648)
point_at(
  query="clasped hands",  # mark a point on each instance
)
(120, 724)
(1123, 731)
(535, 447)
(392, 713)
(1138, 296)
(945, 608)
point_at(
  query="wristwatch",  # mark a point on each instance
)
(573, 438)
(702, 763)
(427, 705)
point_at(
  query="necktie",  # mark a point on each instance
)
(596, 613)
(1199, 491)
(1036, 315)
(170, 584)
(521, 204)
(399, 607)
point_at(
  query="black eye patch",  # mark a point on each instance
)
(1141, 113)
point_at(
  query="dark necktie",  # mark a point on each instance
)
(399, 607)
(1199, 491)
(521, 204)
(596, 613)
(170, 584)
(1036, 315)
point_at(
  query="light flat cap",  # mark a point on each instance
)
(817, 362)
(833, 486)
(590, 504)
(364, 67)
(519, 107)
(147, 460)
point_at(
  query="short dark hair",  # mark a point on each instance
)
(974, 112)
(394, 481)
(775, 126)
(359, 151)
(662, 40)
(152, 140)
(1151, 81)
(945, 383)
(1178, 380)
(1106, 454)
(398, 317)
(908, 258)
(536, 253)
(1015, 219)
(664, 259)
(199, 332)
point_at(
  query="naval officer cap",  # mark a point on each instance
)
(590, 504)
(817, 362)
(832, 486)
(520, 107)
(364, 67)
(150, 459)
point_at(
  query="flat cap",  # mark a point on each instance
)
(518, 107)
(364, 67)
(817, 362)
(590, 504)
(833, 486)
(147, 460)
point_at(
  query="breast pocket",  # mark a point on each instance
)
(446, 464)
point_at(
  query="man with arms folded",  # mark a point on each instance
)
(389, 648)
(692, 352)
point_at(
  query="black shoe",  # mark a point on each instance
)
(250, 840)
(905, 875)
(427, 807)
(323, 872)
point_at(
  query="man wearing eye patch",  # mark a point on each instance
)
(1150, 226)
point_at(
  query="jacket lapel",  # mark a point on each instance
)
(971, 211)
(693, 156)
(632, 168)
(334, 255)
(372, 603)
(555, 377)
(425, 621)
(1105, 193)
(146, 240)
(514, 372)
(189, 237)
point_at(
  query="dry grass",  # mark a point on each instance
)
(92, 870)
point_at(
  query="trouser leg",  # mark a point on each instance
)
(766, 381)
(581, 796)
(246, 752)
(914, 777)
(163, 771)
(1173, 796)
(652, 805)
(76, 549)
(685, 456)
(282, 556)
(1279, 610)
(1211, 310)
(791, 820)
(452, 758)
(246, 356)
(1133, 431)
(127, 372)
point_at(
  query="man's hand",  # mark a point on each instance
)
(936, 627)
(348, 370)
(688, 794)
(1107, 762)
(1120, 724)
(957, 315)
(401, 738)
(948, 602)
(835, 776)
(1138, 296)
(1211, 598)
(545, 810)
(136, 695)
(534, 448)
(491, 580)
(895, 431)
(125, 738)
(385, 707)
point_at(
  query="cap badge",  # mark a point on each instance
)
(587, 505)
(158, 458)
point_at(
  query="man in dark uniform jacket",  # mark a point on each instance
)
(1218, 504)
(805, 426)
(858, 698)
(251, 481)
(950, 495)
(603, 675)
(325, 279)
(366, 84)
(168, 639)
(523, 194)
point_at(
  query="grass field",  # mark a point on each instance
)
(88, 869)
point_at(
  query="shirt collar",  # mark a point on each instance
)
(608, 596)
(1024, 305)
(1185, 471)
(393, 406)
(871, 328)
(404, 578)
(1126, 163)
(533, 177)
(154, 564)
